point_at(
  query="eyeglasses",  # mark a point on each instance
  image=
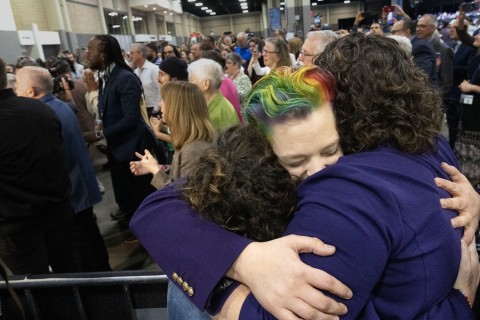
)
(168, 52)
(265, 51)
(306, 54)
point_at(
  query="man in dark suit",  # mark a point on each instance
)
(123, 126)
(422, 51)
(463, 55)
(35, 211)
(426, 27)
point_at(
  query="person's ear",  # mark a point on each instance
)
(30, 92)
(206, 85)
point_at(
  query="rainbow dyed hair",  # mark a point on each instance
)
(284, 94)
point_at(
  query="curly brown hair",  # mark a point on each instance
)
(383, 99)
(240, 185)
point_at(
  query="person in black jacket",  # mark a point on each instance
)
(35, 210)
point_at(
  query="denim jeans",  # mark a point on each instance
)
(180, 307)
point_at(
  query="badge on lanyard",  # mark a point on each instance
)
(466, 99)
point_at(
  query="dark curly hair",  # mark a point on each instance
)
(383, 99)
(239, 184)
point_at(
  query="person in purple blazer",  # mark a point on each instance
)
(379, 204)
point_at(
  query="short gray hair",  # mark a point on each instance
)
(207, 69)
(432, 18)
(235, 57)
(322, 39)
(140, 47)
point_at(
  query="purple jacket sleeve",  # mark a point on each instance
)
(197, 250)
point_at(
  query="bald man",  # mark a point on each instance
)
(242, 47)
(37, 83)
(35, 212)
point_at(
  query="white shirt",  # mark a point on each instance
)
(148, 76)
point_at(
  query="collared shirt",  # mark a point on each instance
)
(103, 75)
(148, 76)
(456, 45)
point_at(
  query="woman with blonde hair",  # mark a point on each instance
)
(185, 112)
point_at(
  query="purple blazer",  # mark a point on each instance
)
(396, 248)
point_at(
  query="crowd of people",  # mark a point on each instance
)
(219, 150)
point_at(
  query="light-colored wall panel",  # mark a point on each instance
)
(84, 18)
(117, 5)
(240, 22)
(27, 12)
(90, 2)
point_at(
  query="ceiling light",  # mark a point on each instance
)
(245, 11)
(213, 13)
(208, 11)
(125, 17)
(191, 0)
(113, 14)
(204, 8)
(242, 0)
(146, 6)
(282, 3)
(314, 4)
(154, 8)
(281, 8)
(165, 12)
(244, 5)
(115, 26)
(171, 14)
(199, 4)
(346, 1)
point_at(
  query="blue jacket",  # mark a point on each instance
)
(85, 192)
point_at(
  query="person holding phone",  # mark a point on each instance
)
(255, 46)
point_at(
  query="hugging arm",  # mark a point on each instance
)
(465, 200)
(180, 242)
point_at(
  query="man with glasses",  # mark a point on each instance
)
(422, 51)
(314, 44)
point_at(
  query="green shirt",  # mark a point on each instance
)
(222, 114)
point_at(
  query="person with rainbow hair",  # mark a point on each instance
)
(368, 153)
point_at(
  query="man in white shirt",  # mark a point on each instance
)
(148, 73)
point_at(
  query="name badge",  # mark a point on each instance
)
(466, 99)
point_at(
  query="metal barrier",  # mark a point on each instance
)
(116, 295)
